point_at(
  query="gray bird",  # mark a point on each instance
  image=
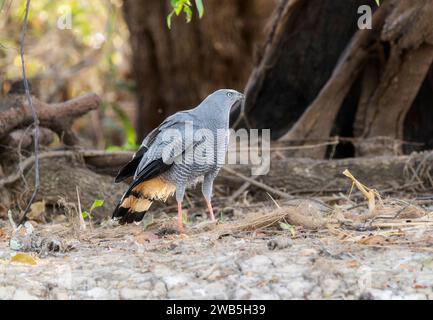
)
(186, 147)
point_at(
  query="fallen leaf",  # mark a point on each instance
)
(420, 286)
(183, 236)
(37, 209)
(412, 212)
(145, 236)
(24, 259)
(373, 240)
(2, 234)
(286, 226)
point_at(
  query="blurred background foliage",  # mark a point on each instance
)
(124, 51)
(74, 47)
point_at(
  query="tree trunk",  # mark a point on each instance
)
(409, 33)
(302, 49)
(371, 90)
(175, 69)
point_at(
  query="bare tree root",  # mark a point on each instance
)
(22, 139)
(303, 176)
(317, 120)
(14, 114)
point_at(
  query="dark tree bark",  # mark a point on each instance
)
(301, 51)
(175, 69)
(408, 31)
(321, 76)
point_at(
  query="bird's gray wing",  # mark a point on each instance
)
(141, 157)
(170, 121)
(166, 143)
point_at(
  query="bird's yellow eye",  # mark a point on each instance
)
(229, 94)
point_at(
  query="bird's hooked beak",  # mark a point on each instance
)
(238, 103)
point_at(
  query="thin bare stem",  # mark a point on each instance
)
(34, 114)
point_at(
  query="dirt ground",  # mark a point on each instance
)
(118, 262)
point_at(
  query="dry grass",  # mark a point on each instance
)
(367, 219)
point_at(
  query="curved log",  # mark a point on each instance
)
(14, 113)
(310, 176)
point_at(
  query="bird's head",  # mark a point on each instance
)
(219, 104)
(224, 100)
(227, 98)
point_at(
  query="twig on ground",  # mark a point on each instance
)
(80, 212)
(259, 184)
(241, 190)
(11, 221)
(369, 194)
(298, 216)
(273, 200)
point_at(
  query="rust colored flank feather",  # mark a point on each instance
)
(145, 193)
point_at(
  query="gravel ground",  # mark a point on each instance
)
(201, 266)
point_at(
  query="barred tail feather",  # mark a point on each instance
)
(138, 199)
(131, 208)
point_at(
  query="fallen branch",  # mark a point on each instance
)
(22, 139)
(258, 184)
(309, 176)
(301, 215)
(57, 117)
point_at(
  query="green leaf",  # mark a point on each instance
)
(286, 226)
(169, 19)
(188, 13)
(200, 8)
(178, 9)
(96, 204)
(184, 6)
(185, 219)
(85, 214)
(131, 136)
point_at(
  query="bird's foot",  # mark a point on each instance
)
(183, 236)
(210, 210)
(181, 228)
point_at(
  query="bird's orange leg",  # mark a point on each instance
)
(180, 218)
(209, 207)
